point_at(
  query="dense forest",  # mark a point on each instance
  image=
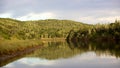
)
(50, 28)
(98, 32)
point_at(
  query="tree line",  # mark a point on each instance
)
(98, 32)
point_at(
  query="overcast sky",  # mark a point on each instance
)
(87, 11)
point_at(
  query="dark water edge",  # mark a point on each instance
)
(8, 58)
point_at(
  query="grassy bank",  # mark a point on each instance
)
(12, 46)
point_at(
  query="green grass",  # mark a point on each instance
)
(12, 46)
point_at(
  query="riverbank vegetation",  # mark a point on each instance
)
(103, 33)
(8, 47)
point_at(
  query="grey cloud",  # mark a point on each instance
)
(1, 6)
(63, 8)
(40, 5)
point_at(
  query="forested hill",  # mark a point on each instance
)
(50, 28)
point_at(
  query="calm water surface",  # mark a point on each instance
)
(64, 55)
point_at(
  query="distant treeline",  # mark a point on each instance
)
(98, 32)
(50, 28)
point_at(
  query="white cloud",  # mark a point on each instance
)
(6, 15)
(100, 17)
(35, 61)
(95, 20)
(37, 16)
(87, 19)
(108, 19)
(11, 65)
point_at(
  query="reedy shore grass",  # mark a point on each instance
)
(12, 46)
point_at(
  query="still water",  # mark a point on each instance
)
(64, 55)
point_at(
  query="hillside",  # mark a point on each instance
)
(50, 28)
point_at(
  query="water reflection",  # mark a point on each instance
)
(100, 48)
(79, 61)
(56, 50)
(71, 55)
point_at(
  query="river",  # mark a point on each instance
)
(68, 55)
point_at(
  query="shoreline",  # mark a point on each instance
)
(6, 57)
(53, 39)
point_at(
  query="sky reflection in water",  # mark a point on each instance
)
(85, 60)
